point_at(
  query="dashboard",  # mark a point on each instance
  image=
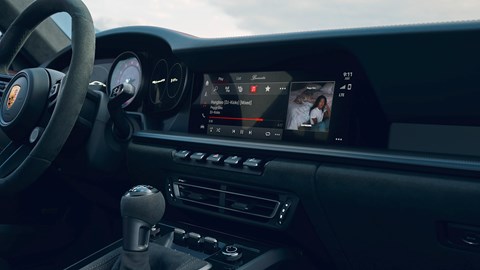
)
(354, 130)
(273, 102)
(228, 96)
(218, 88)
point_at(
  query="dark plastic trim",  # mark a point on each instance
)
(411, 160)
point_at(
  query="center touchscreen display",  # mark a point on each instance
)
(276, 105)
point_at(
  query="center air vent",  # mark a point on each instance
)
(228, 200)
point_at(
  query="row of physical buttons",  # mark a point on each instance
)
(208, 245)
(195, 241)
(219, 159)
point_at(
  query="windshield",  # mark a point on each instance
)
(220, 18)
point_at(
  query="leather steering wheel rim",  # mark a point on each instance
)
(73, 88)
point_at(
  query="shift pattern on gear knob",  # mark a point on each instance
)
(141, 207)
(141, 190)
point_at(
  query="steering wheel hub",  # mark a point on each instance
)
(14, 101)
(24, 103)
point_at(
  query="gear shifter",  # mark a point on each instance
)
(141, 208)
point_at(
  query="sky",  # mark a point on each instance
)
(220, 18)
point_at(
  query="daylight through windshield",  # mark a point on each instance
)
(218, 18)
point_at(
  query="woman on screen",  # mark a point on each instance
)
(319, 112)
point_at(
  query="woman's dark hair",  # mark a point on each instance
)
(317, 101)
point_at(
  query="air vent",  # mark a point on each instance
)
(234, 201)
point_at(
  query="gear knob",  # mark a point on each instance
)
(141, 207)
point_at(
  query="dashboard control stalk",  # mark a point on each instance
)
(122, 127)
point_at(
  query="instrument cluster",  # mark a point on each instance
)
(159, 84)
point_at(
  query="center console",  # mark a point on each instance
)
(178, 245)
(220, 251)
(232, 163)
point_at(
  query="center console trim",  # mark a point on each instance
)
(467, 165)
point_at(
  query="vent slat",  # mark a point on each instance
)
(220, 198)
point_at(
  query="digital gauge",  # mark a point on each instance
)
(167, 85)
(158, 86)
(126, 69)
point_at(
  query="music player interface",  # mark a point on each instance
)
(280, 105)
(245, 105)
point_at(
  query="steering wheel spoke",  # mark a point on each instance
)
(12, 156)
(4, 80)
(53, 93)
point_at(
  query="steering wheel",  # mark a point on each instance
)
(39, 107)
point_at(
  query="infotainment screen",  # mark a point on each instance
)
(277, 105)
